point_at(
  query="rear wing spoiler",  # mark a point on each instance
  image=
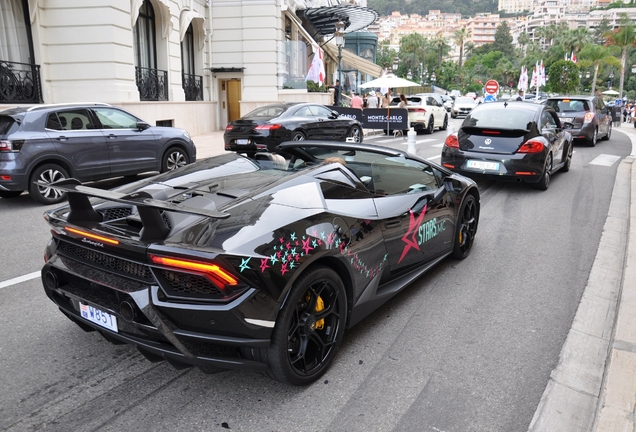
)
(154, 228)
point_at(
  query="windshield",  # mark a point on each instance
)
(500, 118)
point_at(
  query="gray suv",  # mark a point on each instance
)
(46, 143)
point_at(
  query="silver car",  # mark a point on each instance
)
(462, 106)
(47, 143)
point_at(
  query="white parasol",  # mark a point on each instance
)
(610, 92)
(388, 81)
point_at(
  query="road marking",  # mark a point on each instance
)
(605, 160)
(438, 145)
(426, 140)
(390, 140)
(20, 279)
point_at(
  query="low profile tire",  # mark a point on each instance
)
(47, 173)
(173, 159)
(544, 183)
(568, 161)
(431, 125)
(356, 133)
(298, 136)
(309, 329)
(10, 194)
(453, 116)
(466, 228)
(592, 142)
(445, 125)
(609, 133)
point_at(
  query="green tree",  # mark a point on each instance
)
(441, 46)
(622, 37)
(604, 26)
(595, 56)
(412, 52)
(385, 55)
(563, 76)
(460, 37)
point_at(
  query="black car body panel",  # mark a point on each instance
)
(266, 127)
(256, 227)
(491, 137)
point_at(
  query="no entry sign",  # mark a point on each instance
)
(492, 87)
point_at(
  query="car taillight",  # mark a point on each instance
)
(90, 235)
(452, 141)
(268, 127)
(213, 272)
(6, 146)
(228, 128)
(589, 116)
(531, 146)
(418, 110)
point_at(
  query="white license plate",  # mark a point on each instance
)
(567, 119)
(242, 141)
(98, 317)
(491, 166)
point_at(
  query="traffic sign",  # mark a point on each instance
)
(492, 87)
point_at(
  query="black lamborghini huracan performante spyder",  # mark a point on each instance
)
(255, 263)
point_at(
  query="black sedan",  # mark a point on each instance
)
(257, 263)
(512, 141)
(591, 119)
(267, 126)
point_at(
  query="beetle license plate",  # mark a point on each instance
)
(242, 141)
(482, 165)
(98, 317)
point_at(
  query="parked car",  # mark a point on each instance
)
(267, 126)
(462, 106)
(517, 141)
(447, 102)
(48, 143)
(591, 118)
(425, 112)
(471, 95)
(255, 263)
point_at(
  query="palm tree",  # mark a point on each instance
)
(460, 37)
(622, 37)
(594, 55)
(523, 40)
(442, 47)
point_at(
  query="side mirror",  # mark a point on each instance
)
(567, 125)
(334, 114)
(142, 125)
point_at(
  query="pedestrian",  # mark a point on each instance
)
(372, 100)
(403, 102)
(356, 101)
(336, 93)
(387, 99)
(520, 97)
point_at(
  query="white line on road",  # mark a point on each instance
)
(20, 279)
(438, 145)
(605, 160)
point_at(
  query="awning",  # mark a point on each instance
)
(190, 16)
(356, 62)
(323, 20)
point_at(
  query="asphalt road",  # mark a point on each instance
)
(468, 347)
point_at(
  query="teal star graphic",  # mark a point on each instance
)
(293, 236)
(291, 264)
(314, 244)
(244, 265)
(275, 247)
(273, 258)
(293, 251)
(322, 235)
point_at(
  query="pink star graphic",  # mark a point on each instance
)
(288, 246)
(414, 225)
(264, 265)
(279, 254)
(283, 269)
(306, 245)
(282, 240)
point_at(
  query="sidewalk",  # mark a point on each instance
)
(593, 387)
(209, 144)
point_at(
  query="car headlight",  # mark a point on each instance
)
(187, 135)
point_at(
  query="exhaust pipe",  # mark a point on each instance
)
(127, 311)
(518, 180)
(50, 280)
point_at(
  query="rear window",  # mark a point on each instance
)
(6, 123)
(500, 118)
(569, 105)
(267, 112)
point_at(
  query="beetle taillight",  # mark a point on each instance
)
(531, 146)
(452, 141)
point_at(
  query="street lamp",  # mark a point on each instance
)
(634, 69)
(396, 62)
(611, 79)
(409, 75)
(433, 79)
(587, 75)
(339, 35)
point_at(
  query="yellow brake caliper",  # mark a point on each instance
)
(320, 305)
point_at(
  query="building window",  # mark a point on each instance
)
(19, 75)
(192, 84)
(151, 82)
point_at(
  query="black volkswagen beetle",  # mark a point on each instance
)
(511, 141)
(266, 127)
(257, 263)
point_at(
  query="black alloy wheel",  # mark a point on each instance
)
(466, 227)
(298, 136)
(173, 159)
(445, 125)
(568, 160)
(592, 142)
(431, 125)
(544, 183)
(356, 133)
(10, 194)
(609, 133)
(47, 173)
(309, 329)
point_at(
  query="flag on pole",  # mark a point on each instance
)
(317, 69)
(573, 57)
(534, 80)
(565, 57)
(523, 79)
(543, 79)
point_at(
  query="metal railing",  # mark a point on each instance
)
(152, 84)
(192, 86)
(20, 82)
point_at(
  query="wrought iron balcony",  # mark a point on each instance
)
(152, 84)
(20, 83)
(192, 86)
